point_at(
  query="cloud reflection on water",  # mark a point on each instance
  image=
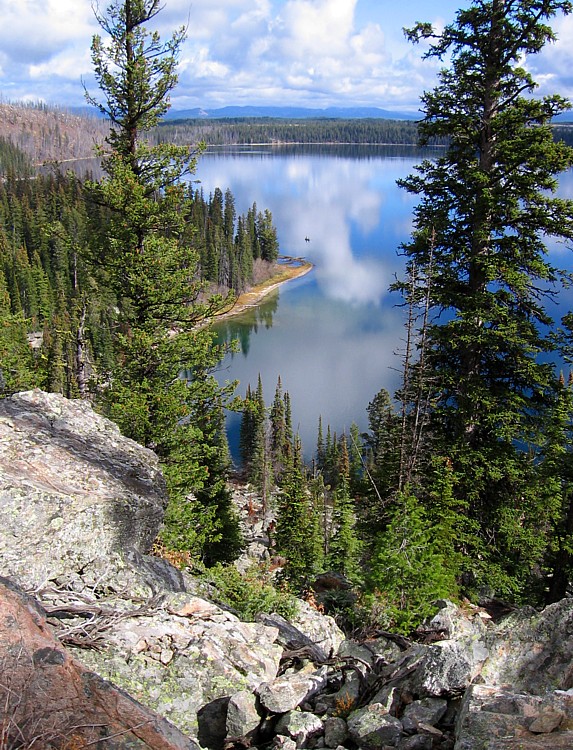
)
(332, 335)
(334, 202)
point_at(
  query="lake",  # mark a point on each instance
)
(334, 336)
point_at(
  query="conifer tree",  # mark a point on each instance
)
(247, 431)
(267, 237)
(408, 571)
(556, 484)
(320, 448)
(278, 430)
(17, 366)
(344, 547)
(154, 272)
(261, 467)
(486, 206)
(355, 459)
(297, 534)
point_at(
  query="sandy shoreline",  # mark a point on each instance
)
(257, 294)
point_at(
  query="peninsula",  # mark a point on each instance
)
(289, 268)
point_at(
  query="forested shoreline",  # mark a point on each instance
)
(262, 131)
(43, 134)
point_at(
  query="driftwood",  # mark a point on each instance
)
(91, 618)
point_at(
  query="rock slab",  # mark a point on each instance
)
(47, 698)
(73, 490)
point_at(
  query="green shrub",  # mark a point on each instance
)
(248, 593)
(409, 570)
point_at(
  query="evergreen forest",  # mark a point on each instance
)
(463, 484)
(275, 131)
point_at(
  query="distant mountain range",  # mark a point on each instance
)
(290, 113)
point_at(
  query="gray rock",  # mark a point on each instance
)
(318, 634)
(321, 629)
(548, 721)
(416, 742)
(73, 490)
(335, 731)
(254, 554)
(80, 507)
(372, 727)
(299, 726)
(455, 622)
(389, 697)
(370, 653)
(495, 719)
(186, 654)
(242, 715)
(425, 711)
(290, 690)
(292, 638)
(532, 652)
(446, 668)
(282, 742)
(360, 653)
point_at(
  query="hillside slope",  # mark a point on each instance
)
(50, 134)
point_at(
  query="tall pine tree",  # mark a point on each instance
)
(154, 273)
(486, 207)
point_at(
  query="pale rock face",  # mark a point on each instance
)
(80, 506)
(290, 690)
(321, 629)
(532, 651)
(73, 490)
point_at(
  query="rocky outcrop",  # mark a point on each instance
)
(532, 651)
(526, 696)
(74, 493)
(80, 507)
(492, 718)
(48, 699)
(184, 654)
(113, 629)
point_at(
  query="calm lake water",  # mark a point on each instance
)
(333, 335)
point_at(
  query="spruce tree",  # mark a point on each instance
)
(278, 430)
(154, 273)
(17, 366)
(344, 547)
(297, 534)
(408, 571)
(247, 431)
(486, 206)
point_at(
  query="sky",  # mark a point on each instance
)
(310, 53)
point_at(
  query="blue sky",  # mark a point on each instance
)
(314, 53)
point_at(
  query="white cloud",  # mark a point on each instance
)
(308, 52)
(32, 31)
(552, 68)
(316, 29)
